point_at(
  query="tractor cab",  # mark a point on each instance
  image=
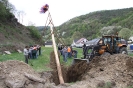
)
(113, 44)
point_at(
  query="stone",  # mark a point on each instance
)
(7, 52)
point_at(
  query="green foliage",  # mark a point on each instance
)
(125, 33)
(130, 87)
(77, 35)
(42, 62)
(110, 30)
(5, 10)
(39, 64)
(90, 25)
(34, 32)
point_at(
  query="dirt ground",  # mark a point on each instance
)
(110, 71)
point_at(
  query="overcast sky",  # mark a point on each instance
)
(64, 10)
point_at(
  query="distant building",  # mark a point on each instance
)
(74, 42)
(131, 38)
(79, 42)
(48, 44)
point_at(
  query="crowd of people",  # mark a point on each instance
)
(31, 52)
(67, 52)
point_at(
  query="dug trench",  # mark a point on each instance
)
(116, 70)
(72, 73)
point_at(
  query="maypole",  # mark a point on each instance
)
(43, 10)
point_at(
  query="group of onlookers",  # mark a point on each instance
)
(67, 52)
(32, 52)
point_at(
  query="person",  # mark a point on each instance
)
(34, 52)
(84, 48)
(60, 49)
(26, 54)
(74, 53)
(39, 49)
(30, 52)
(65, 54)
(101, 42)
(69, 52)
(115, 46)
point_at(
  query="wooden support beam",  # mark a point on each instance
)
(57, 57)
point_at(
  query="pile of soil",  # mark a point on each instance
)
(76, 71)
(110, 71)
(54, 67)
(17, 74)
(115, 71)
(107, 70)
(116, 68)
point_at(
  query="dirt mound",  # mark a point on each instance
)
(110, 71)
(54, 67)
(114, 71)
(17, 74)
(75, 72)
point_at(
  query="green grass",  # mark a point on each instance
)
(42, 62)
(39, 64)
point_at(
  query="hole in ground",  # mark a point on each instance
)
(71, 74)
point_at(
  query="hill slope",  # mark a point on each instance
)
(13, 36)
(89, 25)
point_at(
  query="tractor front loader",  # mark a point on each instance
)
(108, 44)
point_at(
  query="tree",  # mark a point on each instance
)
(20, 15)
(6, 10)
(34, 32)
(77, 35)
(110, 30)
(125, 33)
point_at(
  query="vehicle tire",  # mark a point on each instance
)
(123, 50)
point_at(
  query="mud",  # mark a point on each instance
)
(115, 71)
(110, 71)
(76, 71)
(54, 67)
(17, 74)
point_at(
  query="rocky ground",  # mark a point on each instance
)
(110, 71)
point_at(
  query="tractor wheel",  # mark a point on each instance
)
(123, 50)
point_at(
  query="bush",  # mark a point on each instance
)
(34, 32)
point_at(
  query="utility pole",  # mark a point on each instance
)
(56, 57)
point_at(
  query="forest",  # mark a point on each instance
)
(96, 24)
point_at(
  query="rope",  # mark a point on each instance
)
(55, 33)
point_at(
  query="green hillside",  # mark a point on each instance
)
(93, 25)
(14, 35)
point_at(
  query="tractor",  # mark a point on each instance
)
(108, 44)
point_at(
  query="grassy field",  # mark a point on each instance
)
(42, 62)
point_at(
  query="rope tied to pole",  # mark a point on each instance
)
(44, 9)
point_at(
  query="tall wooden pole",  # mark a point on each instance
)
(56, 57)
